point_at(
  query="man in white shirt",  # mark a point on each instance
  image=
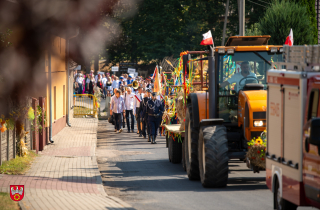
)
(115, 83)
(104, 84)
(138, 99)
(236, 78)
(117, 108)
(80, 82)
(129, 99)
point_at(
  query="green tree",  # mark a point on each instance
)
(309, 5)
(253, 30)
(283, 15)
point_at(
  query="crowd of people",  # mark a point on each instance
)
(84, 83)
(129, 102)
(141, 104)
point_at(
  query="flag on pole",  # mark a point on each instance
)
(289, 40)
(157, 84)
(207, 39)
(154, 73)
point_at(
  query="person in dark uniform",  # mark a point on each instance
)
(144, 117)
(154, 110)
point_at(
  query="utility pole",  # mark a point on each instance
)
(242, 17)
(225, 23)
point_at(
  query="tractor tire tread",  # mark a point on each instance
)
(216, 156)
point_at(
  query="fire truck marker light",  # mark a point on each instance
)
(258, 123)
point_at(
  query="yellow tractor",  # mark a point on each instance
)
(230, 111)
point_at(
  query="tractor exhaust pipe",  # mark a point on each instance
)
(212, 86)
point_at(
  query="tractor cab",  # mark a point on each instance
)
(238, 71)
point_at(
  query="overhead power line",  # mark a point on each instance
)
(256, 3)
(265, 2)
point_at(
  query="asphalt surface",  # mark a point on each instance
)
(140, 174)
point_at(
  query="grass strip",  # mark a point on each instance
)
(19, 165)
(6, 203)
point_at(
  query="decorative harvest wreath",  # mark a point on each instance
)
(257, 152)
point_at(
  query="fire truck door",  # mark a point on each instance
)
(311, 158)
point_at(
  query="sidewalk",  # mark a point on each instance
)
(66, 175)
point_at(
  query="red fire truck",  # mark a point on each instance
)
(293, 129)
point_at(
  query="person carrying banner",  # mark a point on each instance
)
(144, 117)
(138, 99)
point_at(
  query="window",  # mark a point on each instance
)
(255, 64)
(313, 104)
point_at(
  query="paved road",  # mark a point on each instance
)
(140, 174)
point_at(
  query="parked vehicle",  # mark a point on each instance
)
(293, 129)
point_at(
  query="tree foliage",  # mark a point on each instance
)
(253, 30)
(283, 15)
(309, 5)
(163, 28)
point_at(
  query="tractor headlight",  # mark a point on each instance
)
(258, 123)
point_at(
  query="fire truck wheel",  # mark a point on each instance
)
(280, 203)
(175, 150)
(213, 156)
(191, 147)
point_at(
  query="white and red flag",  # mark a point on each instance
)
(207, 39)
(289, 40)
(138, 99)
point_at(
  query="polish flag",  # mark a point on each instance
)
(207, 39)
(289, 40)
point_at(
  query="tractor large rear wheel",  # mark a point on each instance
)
(213, 156)
(191, 147)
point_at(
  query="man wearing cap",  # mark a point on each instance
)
(143, 115)
(129, 80)
(154, 110)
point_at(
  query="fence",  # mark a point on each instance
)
(85, 104)
(35, 138)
